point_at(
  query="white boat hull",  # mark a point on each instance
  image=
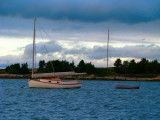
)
(57, 85)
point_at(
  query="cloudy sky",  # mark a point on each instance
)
(77, 29)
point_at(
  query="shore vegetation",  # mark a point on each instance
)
(142, 68)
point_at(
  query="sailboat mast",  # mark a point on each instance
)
(33, 48)
(107, 48)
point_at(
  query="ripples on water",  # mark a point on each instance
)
(95, 100)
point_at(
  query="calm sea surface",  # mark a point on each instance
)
(95, 100)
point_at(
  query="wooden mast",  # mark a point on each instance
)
(33, 48)
(107, 47)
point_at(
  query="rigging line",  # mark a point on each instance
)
(41, 28)
(47, 34)
(56, 45)
(43, 42)
(46, 50)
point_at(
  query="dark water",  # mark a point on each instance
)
(95, 100)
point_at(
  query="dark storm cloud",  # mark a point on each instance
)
(127, 11)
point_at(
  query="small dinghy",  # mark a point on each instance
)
(124, 86)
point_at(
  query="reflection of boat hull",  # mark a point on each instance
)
(49, 83)
(124, 86)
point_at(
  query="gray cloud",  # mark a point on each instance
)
(42, 48)
(84, 10)
(96, 53)
(138, 52)
(10, 59)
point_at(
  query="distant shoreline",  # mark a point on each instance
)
(106, 78)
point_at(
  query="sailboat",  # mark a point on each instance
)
(53, 83)
(118, 85)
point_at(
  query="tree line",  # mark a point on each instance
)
(17, 69)
(53, 66)
(144, 66)
(64, 66)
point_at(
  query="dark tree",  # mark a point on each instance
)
(85, 67)
(142, 67)
(24, 69)
(72, 65)
(13, 69)
(154, 66)
(118, 66)
(132, 67)
(89, 68)
(42, 66)
(58, 66)
(81, 67)
(49, 67)
(125, 67)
